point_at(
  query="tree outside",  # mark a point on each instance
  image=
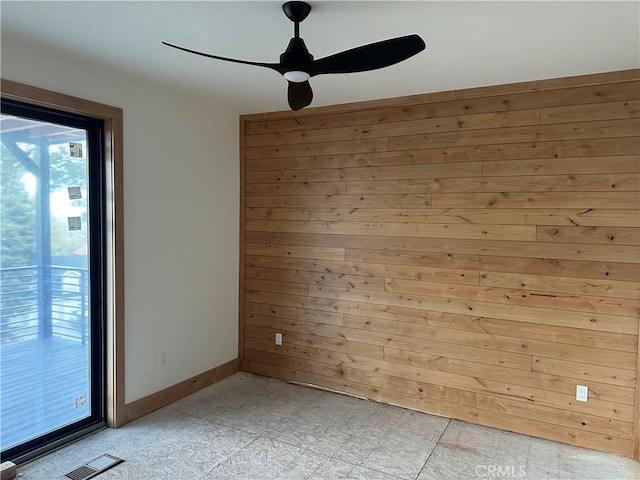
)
(17, 223)
(18, 205)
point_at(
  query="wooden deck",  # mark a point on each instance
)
(39, 383)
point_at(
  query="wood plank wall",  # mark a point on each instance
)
(470, 253)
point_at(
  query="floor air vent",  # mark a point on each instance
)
(94, 467)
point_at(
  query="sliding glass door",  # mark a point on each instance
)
(51, 278)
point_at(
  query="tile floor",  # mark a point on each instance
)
(250, 427)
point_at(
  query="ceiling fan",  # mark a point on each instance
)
(297, 64)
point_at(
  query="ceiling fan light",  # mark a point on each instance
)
(297, 76)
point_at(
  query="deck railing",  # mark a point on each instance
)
(31, 307)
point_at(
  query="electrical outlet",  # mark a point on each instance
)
(162, 360)
(582, 393)
(278, 339)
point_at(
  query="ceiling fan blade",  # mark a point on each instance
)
(273, 66)
(299, 95)
(369, 57)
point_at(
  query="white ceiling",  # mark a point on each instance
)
(469, 44)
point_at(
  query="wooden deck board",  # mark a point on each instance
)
(39, 381)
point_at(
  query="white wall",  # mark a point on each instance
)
(181, 203)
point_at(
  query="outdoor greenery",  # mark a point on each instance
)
(17, 208)
(18, 205)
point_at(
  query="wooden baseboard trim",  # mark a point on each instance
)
(180, 390)
(7, 471)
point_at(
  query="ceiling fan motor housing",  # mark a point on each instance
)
(296, 55)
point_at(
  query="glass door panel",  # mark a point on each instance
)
(50, 325)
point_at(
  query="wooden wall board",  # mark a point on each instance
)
(515, 216)
(597, 81)
(454, 246)
(538, 100)
(491, 136)
(472, 253)
(553, 150)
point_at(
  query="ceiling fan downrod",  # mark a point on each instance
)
(296, 12)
